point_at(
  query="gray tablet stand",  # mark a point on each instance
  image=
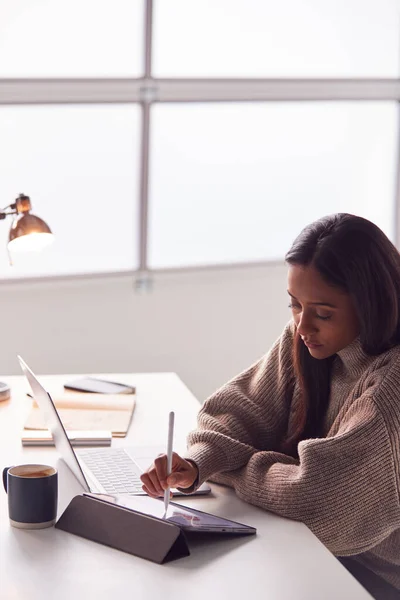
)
(148, 537)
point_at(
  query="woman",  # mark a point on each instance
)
(312, 431)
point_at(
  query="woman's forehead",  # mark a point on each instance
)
(306, 284)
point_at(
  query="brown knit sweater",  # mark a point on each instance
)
(345, 484)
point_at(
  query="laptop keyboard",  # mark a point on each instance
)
(114, 470)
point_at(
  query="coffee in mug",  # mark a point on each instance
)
(32, 495)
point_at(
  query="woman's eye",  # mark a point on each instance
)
(297, 308)
(294, 306)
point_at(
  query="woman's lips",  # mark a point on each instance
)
(312, 346)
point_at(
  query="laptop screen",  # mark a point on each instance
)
(54, 424)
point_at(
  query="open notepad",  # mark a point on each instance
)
(89, 412)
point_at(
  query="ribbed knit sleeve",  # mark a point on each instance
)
(344, 488)
(247, 414)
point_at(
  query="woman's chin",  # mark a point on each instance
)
(319, 352)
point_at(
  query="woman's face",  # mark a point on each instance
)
(324, 315)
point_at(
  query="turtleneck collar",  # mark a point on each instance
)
(354, 359)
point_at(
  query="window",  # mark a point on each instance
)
(79, 165)
(263, 38)
(71, 38)
(155, 134)
(237, 182)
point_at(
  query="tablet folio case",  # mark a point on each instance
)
(148, 537)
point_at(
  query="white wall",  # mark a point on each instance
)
(205, 325)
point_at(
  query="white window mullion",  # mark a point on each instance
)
(239, 90)
(66, 91)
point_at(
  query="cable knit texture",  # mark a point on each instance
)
(345, 484)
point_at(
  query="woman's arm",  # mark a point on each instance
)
(247, 414)
(344, 488)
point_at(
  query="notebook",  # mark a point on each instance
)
(89, 412)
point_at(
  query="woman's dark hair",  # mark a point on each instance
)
(354, 255)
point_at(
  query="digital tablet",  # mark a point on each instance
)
(188, 519)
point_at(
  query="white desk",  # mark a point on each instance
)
(285, 561)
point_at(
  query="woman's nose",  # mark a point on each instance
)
(305, 325)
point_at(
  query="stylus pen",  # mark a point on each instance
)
(169, 455)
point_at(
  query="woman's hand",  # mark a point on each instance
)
(183, 474)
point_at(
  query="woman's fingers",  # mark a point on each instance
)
(181, 479)
(155, 480)
(149, 492)
(184, 473)
(149, 481)
(160, 466)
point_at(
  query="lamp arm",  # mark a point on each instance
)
(4, 214)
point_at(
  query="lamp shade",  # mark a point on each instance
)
(29, 233)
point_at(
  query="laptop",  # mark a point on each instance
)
(113, 471)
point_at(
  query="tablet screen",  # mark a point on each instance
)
(187, 518)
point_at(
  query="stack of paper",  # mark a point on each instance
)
(89, 412)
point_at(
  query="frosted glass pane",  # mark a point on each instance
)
(79, 166)
(237, 182)
(270, 38)
(71, 38)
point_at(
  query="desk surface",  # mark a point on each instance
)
(285, 561)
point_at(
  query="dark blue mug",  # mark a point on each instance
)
(32, 495)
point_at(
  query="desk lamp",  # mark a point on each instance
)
(27, 233)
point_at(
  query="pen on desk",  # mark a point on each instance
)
(169, 456)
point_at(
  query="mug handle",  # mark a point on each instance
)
(5, 471)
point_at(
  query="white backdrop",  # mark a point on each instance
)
(206, 326)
